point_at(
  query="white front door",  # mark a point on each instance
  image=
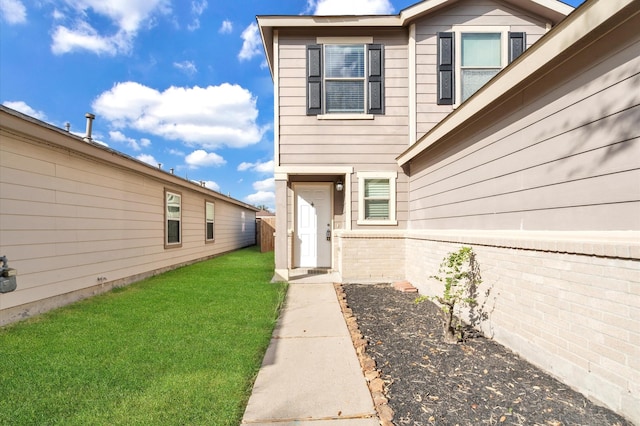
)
(313, 219)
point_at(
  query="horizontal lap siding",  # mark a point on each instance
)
(467, 12)
(306, 140)
(66, 220)
(365, 145)
(568, 160)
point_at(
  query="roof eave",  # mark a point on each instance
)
(589, 18)
(553, 10)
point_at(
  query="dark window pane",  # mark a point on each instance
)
(345, 96)
(209, 231)
(173, 231)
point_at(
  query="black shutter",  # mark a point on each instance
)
(517, 43)
(375, 79)
(445, 69)
(314, 79)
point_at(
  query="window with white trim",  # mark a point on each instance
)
(468, 57)
(345, 79)
(209, 217)
(377, 198)
(480, 61)
(173, 222)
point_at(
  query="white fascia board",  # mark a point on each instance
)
(568, 33)
(552, 9)
(329, 21)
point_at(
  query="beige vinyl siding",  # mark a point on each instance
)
(465, 12)
(70, 221)
(366, 145)
(307, 140)
(565, 159)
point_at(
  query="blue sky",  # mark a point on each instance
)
(178, 82)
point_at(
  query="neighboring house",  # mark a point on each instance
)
(77, 219)
(391, 151)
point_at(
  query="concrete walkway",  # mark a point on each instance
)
(310, 374)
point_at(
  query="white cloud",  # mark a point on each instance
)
(267, 198)
(212, 185)
(148, 159)
(57, 15)
(226, 27)
(128, 16)
(188, 67)
(118, 136)
(350, 7)
(85, 37)
(265, 185)
(266, 167)
(251, 45)
(13, 11)
(208, 117)
(22, 107)
(197, 9)
(202, 158)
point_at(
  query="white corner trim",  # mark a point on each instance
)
(276, 98)
(413, 107)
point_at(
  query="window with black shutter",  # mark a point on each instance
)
(469, 58)
(345, 79)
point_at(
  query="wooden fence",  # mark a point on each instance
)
(265, 228)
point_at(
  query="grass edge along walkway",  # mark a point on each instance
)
(183, 347)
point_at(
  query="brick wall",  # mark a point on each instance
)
(371, 256)
(567, 302)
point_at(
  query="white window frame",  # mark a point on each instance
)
(168, 244)
(362, 177)
(362, 80)
(208, 221)
(461, 29)
(346, 41)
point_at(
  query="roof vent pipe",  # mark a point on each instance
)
(67, 126)
(90, 118)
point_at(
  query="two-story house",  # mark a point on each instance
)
(353, 92)
(507, 125)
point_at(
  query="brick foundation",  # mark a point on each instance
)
(569, 303)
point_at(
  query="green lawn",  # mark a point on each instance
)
(181, 348)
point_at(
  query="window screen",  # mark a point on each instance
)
(376, 199)
(344, 78)
(480, 60)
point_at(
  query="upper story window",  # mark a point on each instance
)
(469, 57)
(480, 61)
(345, 78)
(173, 222)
